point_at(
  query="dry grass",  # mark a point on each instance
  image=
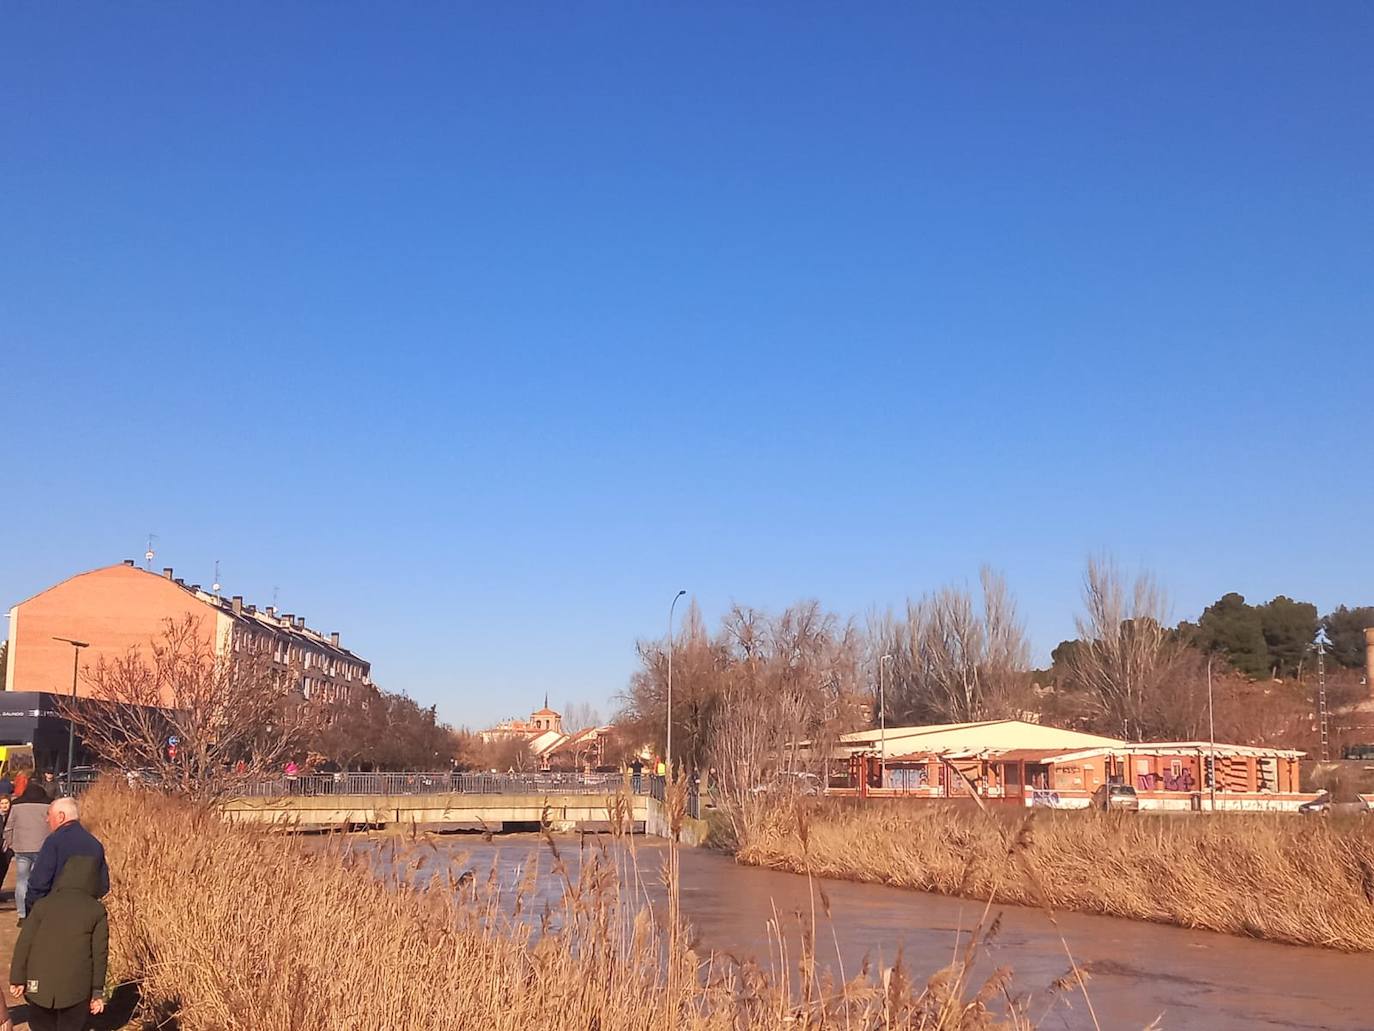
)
(1279, 877)
(234, 928)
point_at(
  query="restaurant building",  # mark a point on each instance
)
(1024, 763)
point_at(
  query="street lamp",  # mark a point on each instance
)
(71, 725)
(668, 752)
(882, 720)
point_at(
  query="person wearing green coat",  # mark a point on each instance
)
(59, 962)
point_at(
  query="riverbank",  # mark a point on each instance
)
(1277, 878)
(228, 927)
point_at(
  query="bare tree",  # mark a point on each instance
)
(791, 686)
(952, 659)
(1126, 654)
(580, 716)
(699, 665)
(203, 720)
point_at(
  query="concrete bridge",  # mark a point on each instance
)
(453, 811)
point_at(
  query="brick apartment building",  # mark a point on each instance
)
(120, 607)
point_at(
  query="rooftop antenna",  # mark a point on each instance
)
(148, 555)
(215, 586)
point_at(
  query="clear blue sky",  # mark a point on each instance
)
(478, 330)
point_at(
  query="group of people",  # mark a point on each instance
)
(59, 962)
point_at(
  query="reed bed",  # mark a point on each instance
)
(1304, 881)
(226, 927)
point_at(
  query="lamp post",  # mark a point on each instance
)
(71, 726)
(668, 751)
(883, 663)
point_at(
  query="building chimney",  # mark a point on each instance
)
(195, 587)
(180, 582)
(272, 611)
(287, 619)
(167, 572)
(334, 638)
(300, 622)
(236, 603)
(128, 562)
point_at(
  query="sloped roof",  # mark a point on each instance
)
(975, 738)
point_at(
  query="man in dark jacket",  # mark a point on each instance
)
(66, 838)
(59, 962)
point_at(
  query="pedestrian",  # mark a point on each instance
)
(21, 781)
(60, 960)
(6, 785)
(50, 785)
(662, 768)
(25, 830)
(637, 774)
(5, 854)
(66, 840)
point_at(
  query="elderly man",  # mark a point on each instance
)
(66, 838)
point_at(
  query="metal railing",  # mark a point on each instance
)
(429, 783)
(658, 790)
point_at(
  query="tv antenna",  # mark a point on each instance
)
(148, 555)
(215, 586)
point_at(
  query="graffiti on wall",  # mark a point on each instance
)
(1180, 780)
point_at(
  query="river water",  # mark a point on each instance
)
(1139, 972)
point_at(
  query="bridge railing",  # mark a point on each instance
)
(429, 783)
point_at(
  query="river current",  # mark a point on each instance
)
(1138, 972)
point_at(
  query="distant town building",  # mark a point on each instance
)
(117, 608)
(549, 744)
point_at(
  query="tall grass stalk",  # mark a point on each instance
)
(1304, 881)
(231, 928)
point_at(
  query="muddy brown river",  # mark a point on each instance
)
(1187, 980)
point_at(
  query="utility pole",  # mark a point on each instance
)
(1212, 735)
(1321, 695)
(882, 721)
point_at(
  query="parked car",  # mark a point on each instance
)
(77, 780)
(1115, 796)
(1324, 805)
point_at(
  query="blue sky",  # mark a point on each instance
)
(475, 332)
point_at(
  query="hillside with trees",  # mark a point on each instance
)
(956, 655)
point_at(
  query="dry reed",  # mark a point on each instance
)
(228, 928)
(1276, 877)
